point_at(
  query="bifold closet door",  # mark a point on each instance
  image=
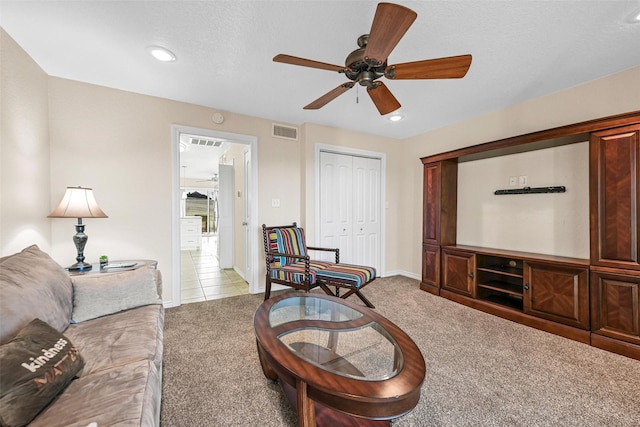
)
(350, 207)
(366, 212)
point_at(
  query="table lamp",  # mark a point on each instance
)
(78, 202)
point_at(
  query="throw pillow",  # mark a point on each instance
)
(37, 365)
(33, 285)
(97, 295)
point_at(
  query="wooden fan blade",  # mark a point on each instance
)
(294, 60)
(453, 67)
(383, 98)
(329, 96)
(390, 23)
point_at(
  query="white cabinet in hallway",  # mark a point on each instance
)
(190, 233)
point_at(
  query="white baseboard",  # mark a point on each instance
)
(402, 273)
(240, 273)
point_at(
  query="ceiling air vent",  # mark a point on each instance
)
(285, 132)
(206, 142)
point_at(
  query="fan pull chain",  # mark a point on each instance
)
(357, 94)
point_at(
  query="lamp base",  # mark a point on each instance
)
(80, 266)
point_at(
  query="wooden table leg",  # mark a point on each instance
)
(306, 407)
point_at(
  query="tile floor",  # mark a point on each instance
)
(203, 280)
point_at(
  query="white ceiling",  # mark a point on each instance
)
(521, 50)
(200, 156)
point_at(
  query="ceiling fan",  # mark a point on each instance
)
(368, 63)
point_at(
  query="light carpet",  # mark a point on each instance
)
(481, 370)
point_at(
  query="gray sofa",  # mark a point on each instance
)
(109, 344)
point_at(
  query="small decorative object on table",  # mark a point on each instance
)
(104, 260)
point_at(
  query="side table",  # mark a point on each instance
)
(122, 265)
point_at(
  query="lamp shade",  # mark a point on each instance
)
(78, 202)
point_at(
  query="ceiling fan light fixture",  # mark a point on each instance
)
(365, 65)
(161, 54)
(633, 17)
(396, 117)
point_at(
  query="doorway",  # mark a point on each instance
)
(207, 163)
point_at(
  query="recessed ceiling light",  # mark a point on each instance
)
(634, 18)
(161, 53)
(396, 117)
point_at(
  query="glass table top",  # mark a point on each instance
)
(310, 308)
(365, 351)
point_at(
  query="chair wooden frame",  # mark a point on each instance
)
(306, 284)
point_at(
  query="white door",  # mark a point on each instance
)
(336, 204)
(225, 222)
(350, 211)
(366, 210)
(247, 213)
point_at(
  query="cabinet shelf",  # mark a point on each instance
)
(500, 280)
(506, 301)
(503, 287)
(504, 270)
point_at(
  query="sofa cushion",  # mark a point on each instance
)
(32, 285)
(122, 396)
(37, 364)
(121, 338)
(97, 295)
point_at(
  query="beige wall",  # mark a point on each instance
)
(556, 224)
(615, 94)
(120, 144)
(25, 198)
(58, 133)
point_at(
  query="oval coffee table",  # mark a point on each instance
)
(339, 363)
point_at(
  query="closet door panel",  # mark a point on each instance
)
(366, 219)
(336, 205)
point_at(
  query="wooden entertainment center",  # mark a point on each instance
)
(595, 301)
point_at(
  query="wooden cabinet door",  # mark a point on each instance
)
(615, 305)
(557, 292)
(614, 197)
(458, 272)
(431, 268)
(439, 203)
(431, 204)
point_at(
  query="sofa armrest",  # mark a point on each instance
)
(99, 295)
